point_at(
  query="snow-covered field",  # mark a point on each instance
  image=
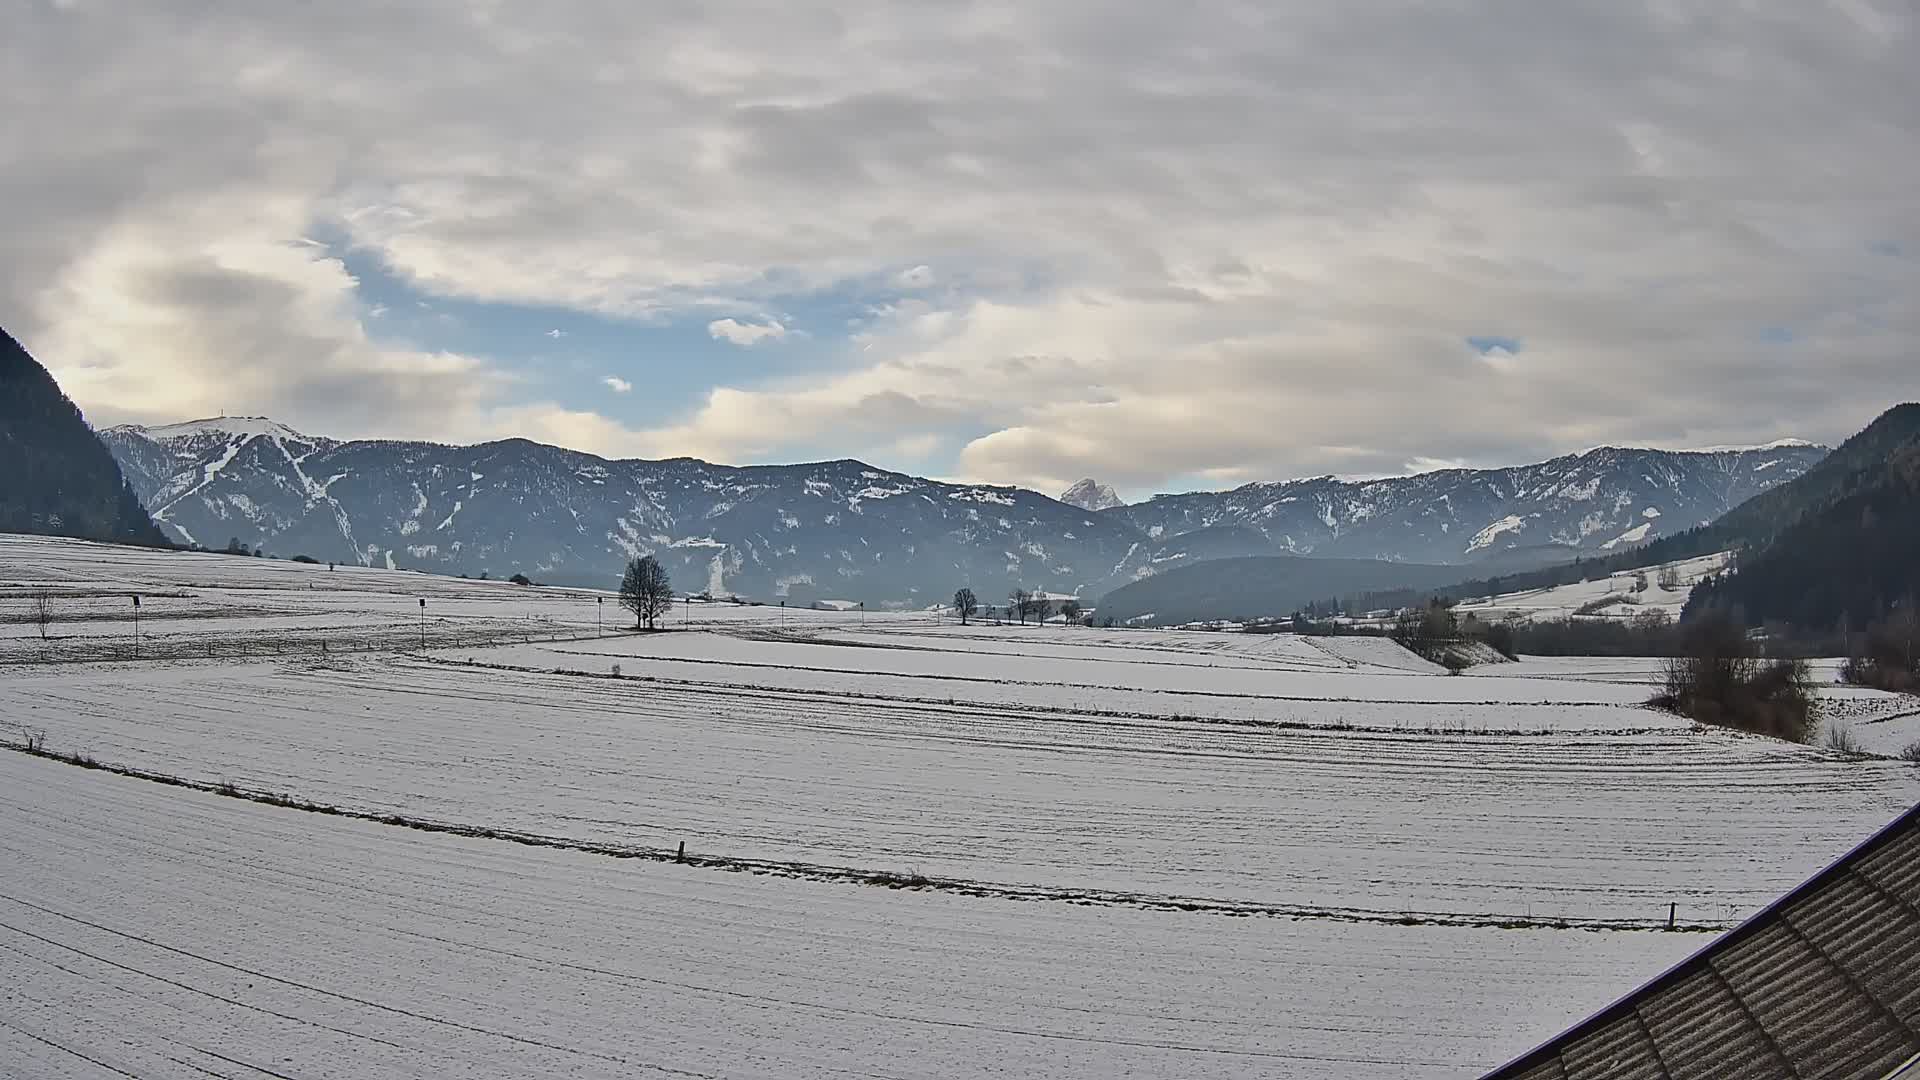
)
(167, 933)
(1429, 873)
(198, 605)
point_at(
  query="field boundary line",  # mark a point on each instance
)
(881, 878)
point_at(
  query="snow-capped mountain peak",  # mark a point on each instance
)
(1088, 495)
(241, 427)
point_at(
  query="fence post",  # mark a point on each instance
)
(682, 856)
(1672, 910)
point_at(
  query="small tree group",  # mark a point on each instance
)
(1023, 604)
(1719, 678)
(1427, 631)
(646, 591)
(1887, 656)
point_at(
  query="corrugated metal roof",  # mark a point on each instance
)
(1824, 983)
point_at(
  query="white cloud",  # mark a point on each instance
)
(746, 333)
(617, 384)
(556, 334)
(1213, 240)
(916, 447)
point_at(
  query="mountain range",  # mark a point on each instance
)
(1606, 499)
(846, 530)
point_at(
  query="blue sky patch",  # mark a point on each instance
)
(1486, 343)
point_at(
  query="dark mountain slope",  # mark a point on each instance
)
(56, 478)
(1850, 561)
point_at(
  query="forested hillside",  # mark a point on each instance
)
(56, 477)
(1847, 564)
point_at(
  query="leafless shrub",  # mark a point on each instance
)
(1887, 657)
(1842, 738)
(43, 611)
(1718, 678)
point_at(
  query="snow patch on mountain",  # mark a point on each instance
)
(1634, 535)
(1485, 537)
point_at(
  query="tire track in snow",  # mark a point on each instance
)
(96, 1062)
(321, 991)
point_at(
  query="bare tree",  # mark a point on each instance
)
(1041, 606)
(1019, 602)
(1070, 610)
(43, 611)
(646, 591)
(966, 604)
(1669, 579)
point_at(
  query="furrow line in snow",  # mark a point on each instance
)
(309, 988)
(1064, 711)
(884, 878)
(1226, 694)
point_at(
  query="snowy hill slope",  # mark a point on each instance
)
(1589, 598)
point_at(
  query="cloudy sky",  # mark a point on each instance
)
(1166, 245)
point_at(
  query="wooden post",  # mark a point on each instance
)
(682, 856)
(1672, 910)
